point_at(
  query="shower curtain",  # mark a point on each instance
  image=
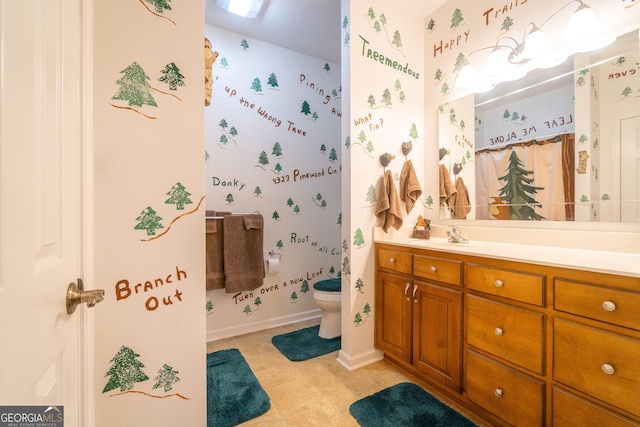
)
(552, 164)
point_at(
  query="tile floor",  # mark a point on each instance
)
(316, 392)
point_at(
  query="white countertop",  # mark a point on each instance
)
(623, 263)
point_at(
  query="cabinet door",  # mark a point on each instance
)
(437, 343)
(393, 316)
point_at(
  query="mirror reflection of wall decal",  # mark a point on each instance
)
(583, 156)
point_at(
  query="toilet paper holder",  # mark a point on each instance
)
(273, 254)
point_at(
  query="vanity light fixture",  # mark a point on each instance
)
(244, 8)
(508, 52)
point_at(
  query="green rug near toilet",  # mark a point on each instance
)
(305, 344)
(406, 405)
(234, 394)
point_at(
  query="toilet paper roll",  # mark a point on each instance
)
(273, 265)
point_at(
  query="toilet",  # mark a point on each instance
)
(328, 296)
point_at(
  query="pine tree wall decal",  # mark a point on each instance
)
(165, 378)
(179, 196)
(125, 371)
(516, 192)
(134, 87)
(148, 220)
(171, 75)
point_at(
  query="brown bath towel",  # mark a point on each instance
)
(460, 203)
(214, 241)
(243, 252)
(446, 186)
(388, 208)
(410, 188)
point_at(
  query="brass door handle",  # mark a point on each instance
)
(76, 295)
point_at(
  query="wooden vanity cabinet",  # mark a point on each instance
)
(420, 319)
(515, 343)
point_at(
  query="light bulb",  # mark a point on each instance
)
(497, 62)
(467, 76)
(583, 23)
(535, 44)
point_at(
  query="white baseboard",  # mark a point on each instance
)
(353, 363)
(247, 328)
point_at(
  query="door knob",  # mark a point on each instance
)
(76, 295)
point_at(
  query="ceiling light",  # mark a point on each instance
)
(244, 8)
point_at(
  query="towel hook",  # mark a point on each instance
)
(385, 159)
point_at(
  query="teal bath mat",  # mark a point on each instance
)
(305, 344)
(234, 394)
(405, 405)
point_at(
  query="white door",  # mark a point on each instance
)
(41, 222)
(630, 169)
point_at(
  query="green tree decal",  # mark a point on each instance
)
(279, 244)
(626, 92)
(366, 309)
(179, 196)
(315, 115)
(263, 159)
(245, 44)
(371, 101)
(431, 25)
(272, 80)
(346, 266)
(166, 378)
(333, 156)
(460, 60)
(256, 85)
(257, 192)
(456, 19)
(429, 201)
(345, 22)
(445, 88)
(304, 288)
(327, 67)
(371, 14)
(517, 189)
(506, 24)
(172, 76)
(438, 75)
(229, 199)
(277, 150)
(275, 215)
(372, 196)
(359, 285)
(134, 87)
(305, 109)
(209, 306)
(223, 123)
(278, 167)
(358, 237)
(357, 319)
(397, 39)
(247, 310)
(148, 220)
(386, 97)
(257, 302)
(296, 209)
(290, 202)
(323, 148)
(224, 62)
(223, 139)
(160, 5)
(125, 371)
(294, 296)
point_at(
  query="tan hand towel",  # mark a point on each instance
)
(410, 188)
(243, 252)
(446, 186)
(214, 248)
(460, 203)
(388, 208)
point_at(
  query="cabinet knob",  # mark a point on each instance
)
(609, 306)
(433, 269)
(498, 392)
(392, 260)
(499, 331)
(608, 369)
(499, 283)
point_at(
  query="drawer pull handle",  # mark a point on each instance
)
(499, 283)
(415, 289)
(392, 260)
(498, 392)
(499, 331)
(609, 306)
(433, 269)
(608, 369)
(406, 288)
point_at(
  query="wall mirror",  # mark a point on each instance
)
(559, 144)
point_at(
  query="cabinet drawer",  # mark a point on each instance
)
(395, 260)
(439, 269)
(512, 333)
(599, 363)
(599, 303)
(511, 395)
(525, 287)
(572, 411)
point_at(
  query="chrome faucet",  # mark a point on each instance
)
(454, 235)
